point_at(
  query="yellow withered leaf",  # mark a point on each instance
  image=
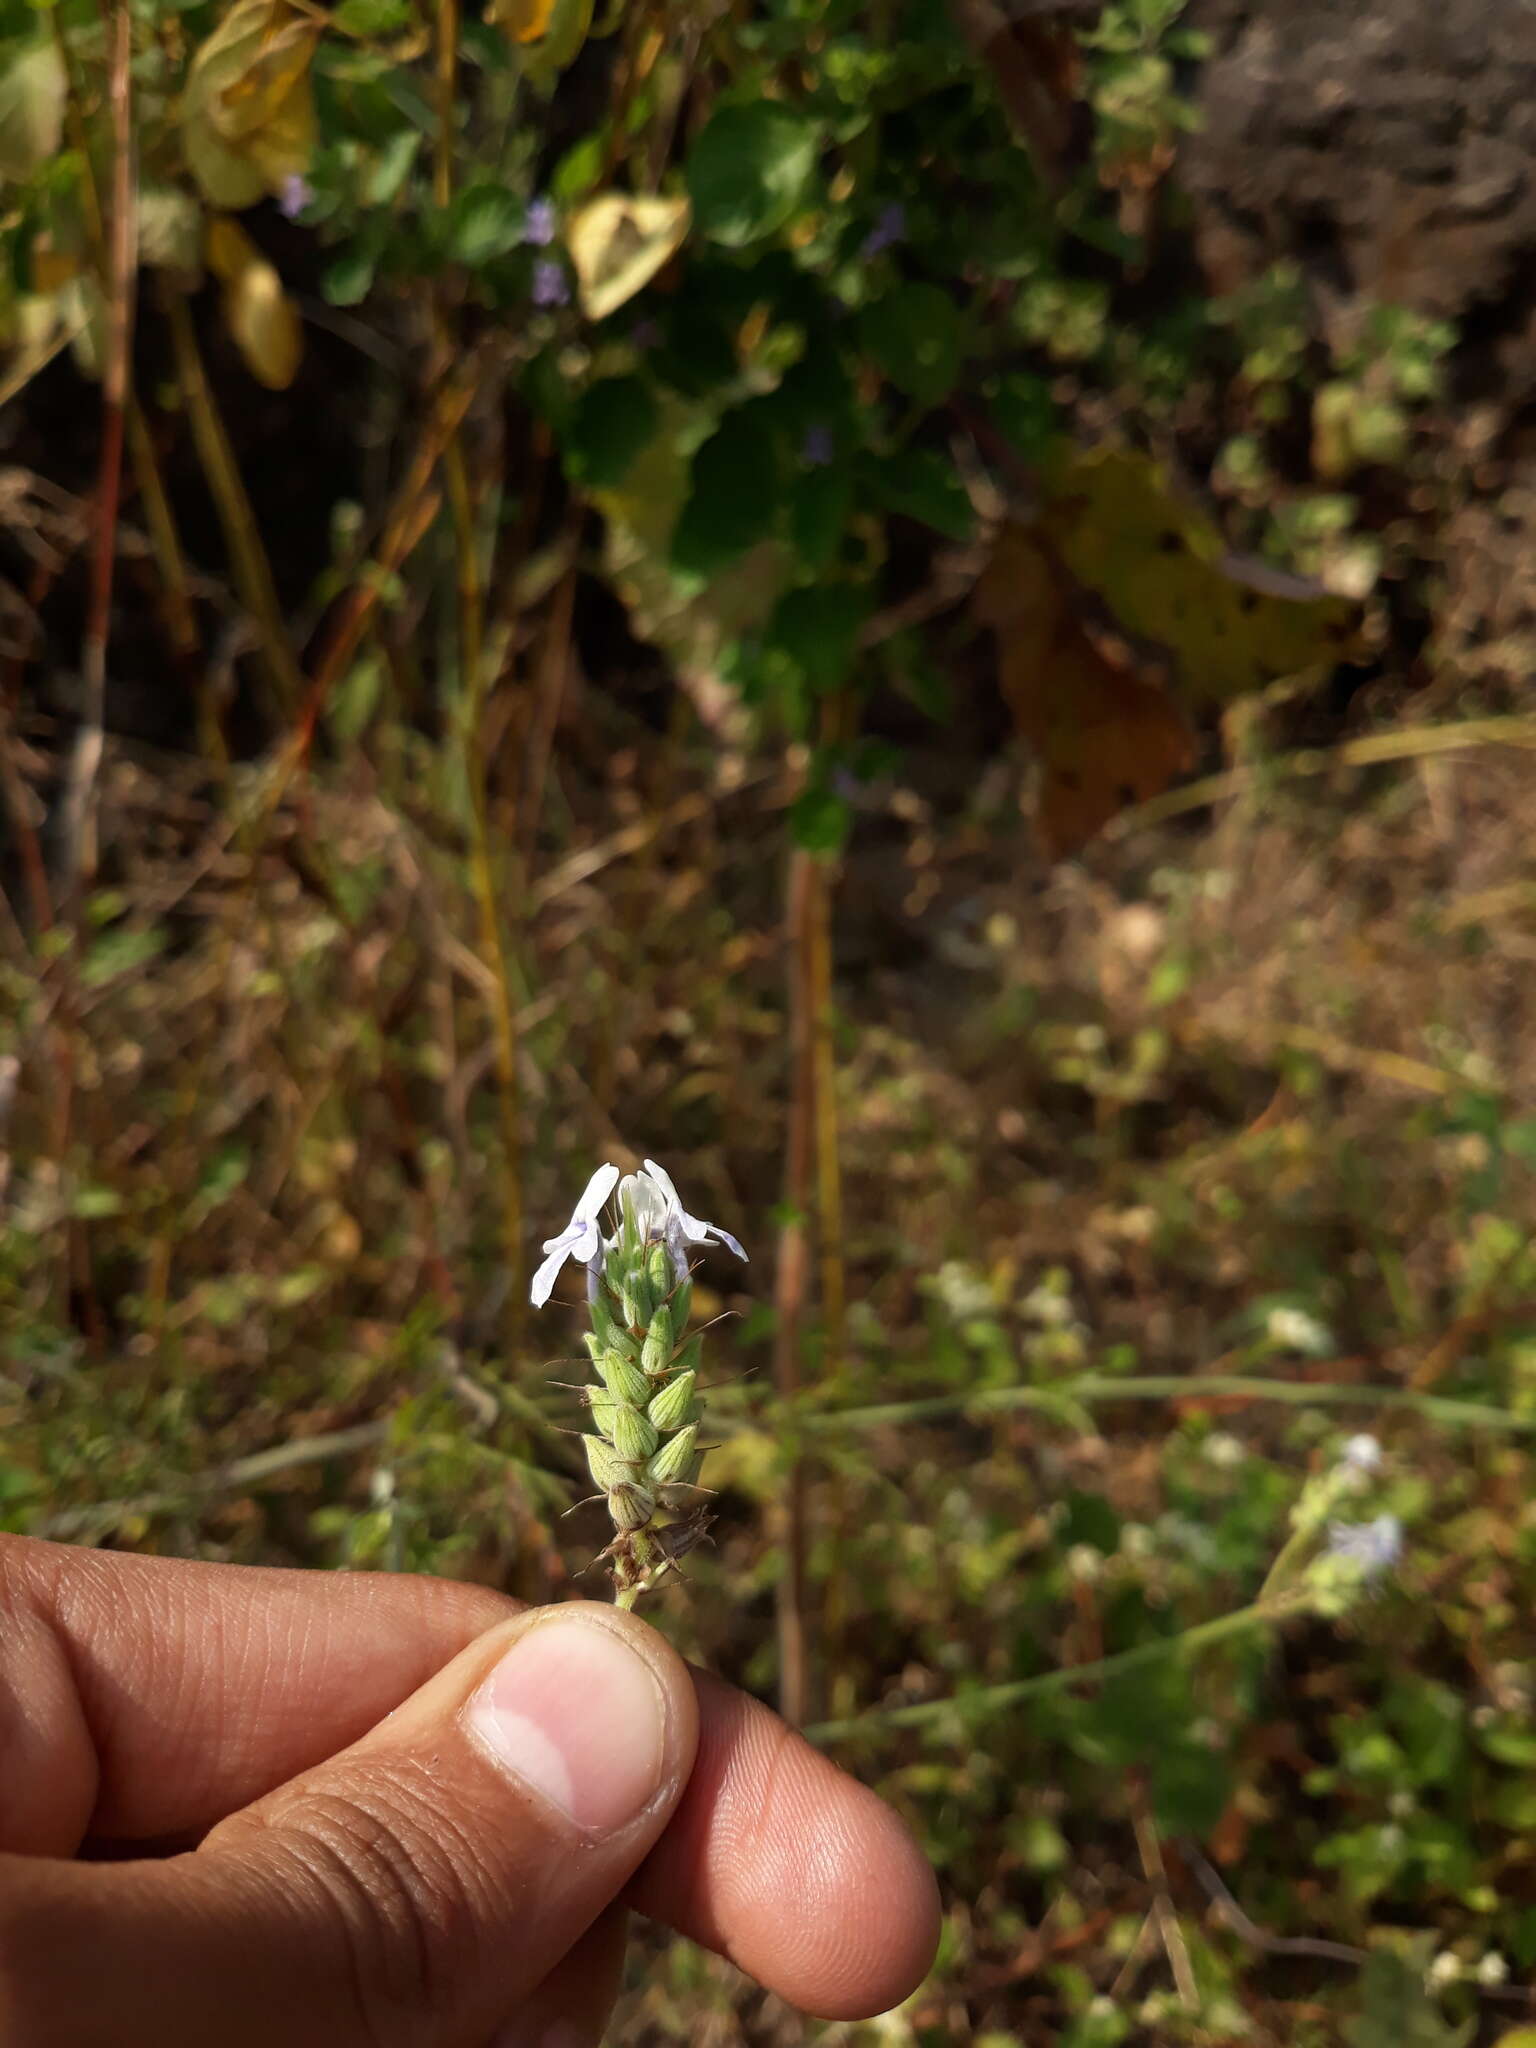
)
(1160, 567)
(257, 311)
(618, 243)
(32, 95)
(1104, 738)
(248, 111)
(525, 21)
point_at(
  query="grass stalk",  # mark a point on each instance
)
(791, 1274)
(1093, 1388)
(997, 1699)
(248, 558)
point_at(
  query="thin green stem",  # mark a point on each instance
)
(1106, 1388)
(995, 1698)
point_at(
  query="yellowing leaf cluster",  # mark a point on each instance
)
(248, 111)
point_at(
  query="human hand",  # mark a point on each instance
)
(290, 1808)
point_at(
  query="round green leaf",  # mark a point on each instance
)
(749, 170)
(733, 498)
(612, 422)
(913, 333)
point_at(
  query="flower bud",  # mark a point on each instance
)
(608, 1469)
(635, 1299)
(601, 1403)
(633, 1434)
(687, 1359)
(624, 1379)
(673, 1461)
(682, 1304)
(656, 1354)
(630, 1506)
(594, 1345)
(658, 1266)
(673, 1405)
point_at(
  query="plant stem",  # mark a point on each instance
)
(1106, 1388)
(790, 1276)
(995, 1698)
(242, 535)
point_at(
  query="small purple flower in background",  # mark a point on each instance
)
(539, 225)
(890, 228)
(294, 195)
(1375, 1546)
(816, 450)
(551, 287)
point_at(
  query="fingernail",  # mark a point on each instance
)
(578, 1716)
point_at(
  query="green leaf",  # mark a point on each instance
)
(819, 501)
(371, 17)
(914, 335)
(749, 170)
(922, 485)
(819, 820)
(484, 222)
(347, 280)
(733, 496)
(612, 422)
(818, 630)
(391, 167)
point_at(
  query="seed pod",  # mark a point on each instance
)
(658, 1266)
(608, 1469)
(635, 1297)
(633, 1434)
(673, 1405)
(600, 1401)
(621, 1341)
(656, 1353)
(624, 1378)
(630, 1506)
(674, 1460)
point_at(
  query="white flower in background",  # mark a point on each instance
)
(581, 1239)
(1362, 1454)
(659, 1214)
(1375, 1546)
(1492, 1969)
(1223, 1450)
(1444, 1970)
(1294, 1330)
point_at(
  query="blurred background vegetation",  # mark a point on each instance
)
(922, 611)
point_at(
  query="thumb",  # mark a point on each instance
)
(408, 1893)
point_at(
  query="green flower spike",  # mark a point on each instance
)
(644, 1455)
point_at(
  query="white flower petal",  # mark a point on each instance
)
(582, 1237)
(595, 1193)
(544, 1279)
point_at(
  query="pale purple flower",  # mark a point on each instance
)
(890, 228)
(659, 1214)
(581, 1239)
(551, 287)
(294, 194)
(1375, 1546)
(816, 449)
(539, 223)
